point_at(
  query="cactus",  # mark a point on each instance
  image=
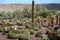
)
(37, 7)
(32, 13)
(59, 20)
(56, 19)
(24, 34)
(1, 29)
(31, 31)
(52, 21)
(58, 32)
(13, 35)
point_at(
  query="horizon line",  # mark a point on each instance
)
(29, 3)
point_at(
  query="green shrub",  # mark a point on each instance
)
(1, 29)
(43, 14)
(13, 35)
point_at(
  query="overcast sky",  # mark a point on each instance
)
(28, 1)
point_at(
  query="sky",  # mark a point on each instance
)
(28, 1)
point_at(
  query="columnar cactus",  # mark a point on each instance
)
(56, 19)
(32, 13)
(39, 22)
(49, 22)
(52, 21)
(59, 20)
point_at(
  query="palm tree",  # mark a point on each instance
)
(33, 13)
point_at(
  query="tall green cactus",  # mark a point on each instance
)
(32, 13)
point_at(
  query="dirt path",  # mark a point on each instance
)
(34, 38)
(2, 37)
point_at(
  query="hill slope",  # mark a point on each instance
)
(13, 7)
(51, 6)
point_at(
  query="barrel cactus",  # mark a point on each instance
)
(58, 32)
(38, 34)
(24, 35)
(36, 28)
(6, 29)
(13, 35)
(1, 29)
(44, 37)
(32, 31)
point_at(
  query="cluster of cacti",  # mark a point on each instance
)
(13, 35)
(31, 21)
(44, 37)
(20, 33)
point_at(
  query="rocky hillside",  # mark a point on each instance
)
(52, 6)
(13, 7)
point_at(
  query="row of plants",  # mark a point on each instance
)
(23, 34)
(20, 33)
(51, 34)
(25, 14)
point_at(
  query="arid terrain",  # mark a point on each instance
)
(29, 22)
(13, 7)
